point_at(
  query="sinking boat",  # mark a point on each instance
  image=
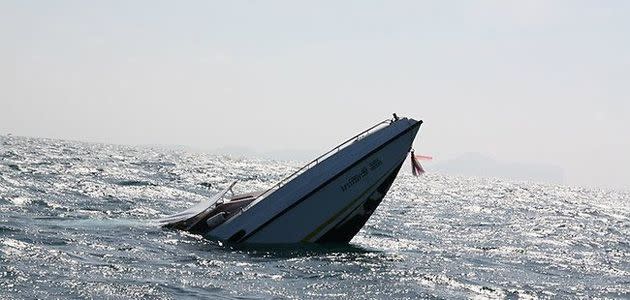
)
(326, 201)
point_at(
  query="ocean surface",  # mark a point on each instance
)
(75, 222)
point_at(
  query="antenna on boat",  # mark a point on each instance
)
(231, 186)
(229, 189)
(395, 117)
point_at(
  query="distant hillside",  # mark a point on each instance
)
(479, 165)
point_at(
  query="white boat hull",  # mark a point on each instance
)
(330, 202)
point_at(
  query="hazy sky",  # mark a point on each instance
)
(522, 81)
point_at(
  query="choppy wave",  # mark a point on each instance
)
(74, 222)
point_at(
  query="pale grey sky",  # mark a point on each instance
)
(522, 81)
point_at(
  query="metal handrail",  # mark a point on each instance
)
(318, 160)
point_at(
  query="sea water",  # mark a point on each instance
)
(75, 222)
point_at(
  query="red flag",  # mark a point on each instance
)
(424, 157)
(416, 168)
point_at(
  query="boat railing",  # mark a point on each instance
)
(320, 159)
